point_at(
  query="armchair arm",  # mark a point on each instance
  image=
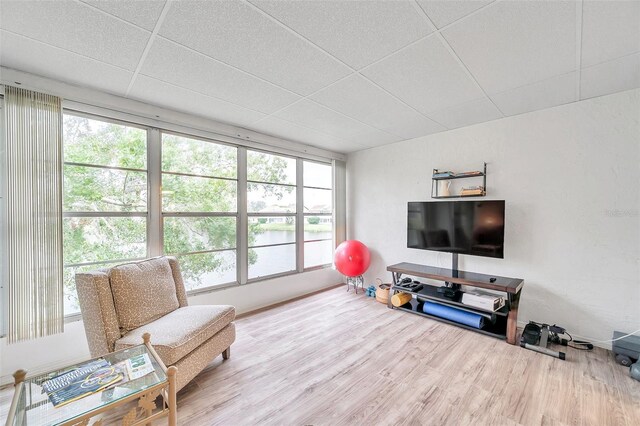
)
(98, 311)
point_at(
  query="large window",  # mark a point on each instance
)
(318, 214)
(199, 208)
(105, 197)
(230, 214)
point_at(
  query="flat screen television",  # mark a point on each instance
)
(462, 227)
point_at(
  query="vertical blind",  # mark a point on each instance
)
(33, 138)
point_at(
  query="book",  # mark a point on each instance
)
(79, 372)
(473, 190)
(120, 368)
(483, 300)
(80, 385)
(442, 174)
(468, 174)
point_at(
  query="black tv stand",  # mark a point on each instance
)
(506, 318)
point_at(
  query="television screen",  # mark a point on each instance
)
(464, 227)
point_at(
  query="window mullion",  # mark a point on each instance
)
(339, 202)
(242, 230)
(299, 215)
(154, 191)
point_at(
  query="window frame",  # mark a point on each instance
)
(108, 214)
(272, 214)
(155, 214)
(235, 214)
(324, 214)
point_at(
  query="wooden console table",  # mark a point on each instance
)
(506, 319)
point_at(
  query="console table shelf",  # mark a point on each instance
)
(504, 321)
(431, 293)
(493, 330)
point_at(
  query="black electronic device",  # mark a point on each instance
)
(530, 334)
(449, 292)
(409, 284)
(536, 337)
(459, 227)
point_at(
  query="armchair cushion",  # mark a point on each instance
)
(143, 292)
(181, 331)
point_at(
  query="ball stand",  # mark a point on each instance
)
(355, 282)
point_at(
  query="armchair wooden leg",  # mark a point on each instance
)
(227, 353)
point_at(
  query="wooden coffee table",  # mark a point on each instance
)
(30, 406)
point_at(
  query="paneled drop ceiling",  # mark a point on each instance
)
(340, 75)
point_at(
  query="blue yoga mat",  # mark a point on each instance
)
(453, 314)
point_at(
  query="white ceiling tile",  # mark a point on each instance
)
(374, 138)
(150, 90)
(287, 130)
(364, 101)
(444, 12)
(426, 76)
(52, 62)
(357, 33)
(511, 44)
(543, 94)
(610, 29)
(237, 34)
(477, 111)
(316, 116)
(78, 28)
(175, 64)
(143, 13)
(611, 77)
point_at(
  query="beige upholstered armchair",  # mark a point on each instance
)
(122, 303)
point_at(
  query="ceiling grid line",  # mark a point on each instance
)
(531, 84)
(197, 52)
(457, 58)
(129, 71)
(214, 97)
(481, 45)
(626, 55)
(205, 95)
(579, 23)
(437, 33)
(303, 97)
(328, 108)
(145, 52)
(65, 50)
(110, 15)
(354, 71)
(432, 34)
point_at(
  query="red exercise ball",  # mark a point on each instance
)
(352, 258)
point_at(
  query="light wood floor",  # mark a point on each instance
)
(337, 358)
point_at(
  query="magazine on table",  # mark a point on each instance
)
(79, 372)
(85, 380)
(95, 376)
(139, 366)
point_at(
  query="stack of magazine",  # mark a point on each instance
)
(94, 376)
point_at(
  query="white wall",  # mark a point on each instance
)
(570, 176)
(41, 355)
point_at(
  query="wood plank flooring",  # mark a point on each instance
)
(336, 358)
